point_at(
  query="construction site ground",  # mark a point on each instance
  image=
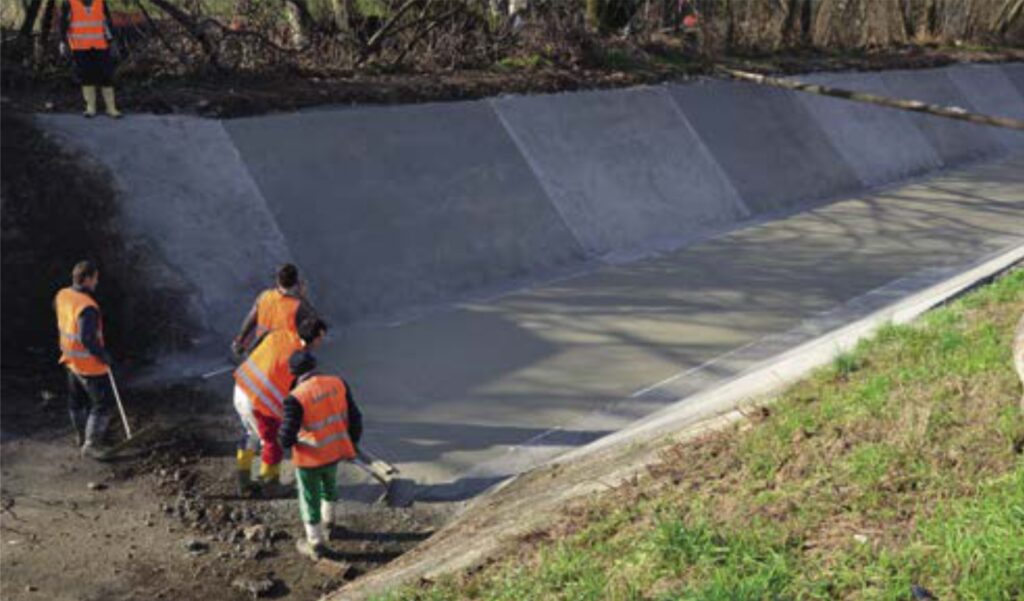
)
(162, 521)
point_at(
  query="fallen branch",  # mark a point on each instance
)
(896, 103)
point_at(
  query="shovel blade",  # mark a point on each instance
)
(401, 492)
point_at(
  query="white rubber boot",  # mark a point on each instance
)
(313, 545)
(327, 518)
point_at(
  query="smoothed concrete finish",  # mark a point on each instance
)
(624, 167)
(880, 145)
(955, 141)
(187, 192)
(991, 92)
(391, 208)
(495, 387)
(767, 142)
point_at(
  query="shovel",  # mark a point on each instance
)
(399, 492)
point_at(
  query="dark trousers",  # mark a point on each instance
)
(93, 67)
(89, 400)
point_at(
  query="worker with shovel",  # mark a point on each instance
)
(85, 358)
(322, 425)
(262, 382)
(281, 307)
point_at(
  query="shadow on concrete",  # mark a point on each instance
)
(446, 492)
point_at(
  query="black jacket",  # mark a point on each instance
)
(288, 434)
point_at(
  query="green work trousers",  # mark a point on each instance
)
(316, 484)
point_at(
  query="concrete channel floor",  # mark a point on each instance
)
(463, 397)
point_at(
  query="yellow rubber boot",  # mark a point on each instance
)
(110, 102)
(270, 481)
(89, 95)
(243, 463)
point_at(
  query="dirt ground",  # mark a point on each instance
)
(240, 94)
(162, 520)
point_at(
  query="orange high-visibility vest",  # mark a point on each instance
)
(264, 375)
(87, 30)
(69, 304)
(275, 311)
(323, 438)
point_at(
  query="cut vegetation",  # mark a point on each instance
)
(899, 466)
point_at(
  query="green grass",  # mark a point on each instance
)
(893, 466)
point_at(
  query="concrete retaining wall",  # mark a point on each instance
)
(624, 167)
(955, 141)
(881, 146)
(769, 144)
(389, 209)
(991, 91)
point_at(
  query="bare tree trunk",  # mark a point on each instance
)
(594, 15)
(31, 12)
(300, 21)
(1008, 14)
(41, 30)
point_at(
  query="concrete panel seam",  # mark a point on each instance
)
(538, 176)
(703, 149)
(251, 183)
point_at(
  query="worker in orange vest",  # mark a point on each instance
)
(281, 307)
(262, 382)
(322, 425)
(86, 30)
(85, 358)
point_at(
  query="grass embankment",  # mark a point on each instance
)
(898, 465)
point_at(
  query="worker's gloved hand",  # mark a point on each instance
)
(237, 349)
(63, 49)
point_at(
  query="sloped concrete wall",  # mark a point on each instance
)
(185, 189)
(767, 142)
(955, 141)
(624, 167)
(389, 209)
(880, 145)
(990, 90)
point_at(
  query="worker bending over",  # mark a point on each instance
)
(85, 358)
(281, 308)
(322, 426)
(262, 382)
(86, 29)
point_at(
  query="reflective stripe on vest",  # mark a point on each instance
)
(69, 304)
(88, 27)
(276, 310)
(269, 402)
(312, 442)
(323, 438)
(264, 375)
